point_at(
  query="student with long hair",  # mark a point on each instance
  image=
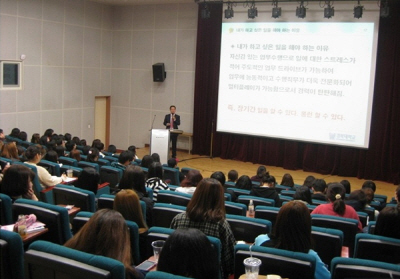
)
(206, 212)
(88, 179)
(292, 232)
(261, 171)
(106, 234)
(189, 184)
(34, 154)
(154, 180)
(17, 183)
(189, 253)
(10, 151)
(244, 182)
(303, 193)
(388, 223)
(127, 203)
(337, 207)
(287, 180)
(134, 179)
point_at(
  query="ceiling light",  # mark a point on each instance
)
(329, 11)
(301, 11)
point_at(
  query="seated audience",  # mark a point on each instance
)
(369, 184)
(127, 203)
(88, 179)
(17, 183)
(233, 176)
(76, 140)
(75, 154)
(357, 200)
(156, 157)
(319, 189)
(188, 185)
(70, 145)
(267, 190)
(112, 149)
(154, 180)
(124, 159)
(173, 164)
(99, 146)
(261, 171)
(287, 180)
(46, 137)
(309, 181)
(388, 223)
(244, 182)
(336, 206)
(35, 138)
(292, 232)
(303, 194)
(15, 133)
(2, 135)
(134, 179)
(93, 155)
(369, 196)
(106, 234)
(51, 156)
(346, 185)
(189, 253)
(23, 136)
(220, 176)
(10, 151)
(206, 212)
(34, 154)
(83, 142)
(132, 148)
(147, 160)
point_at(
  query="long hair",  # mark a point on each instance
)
(208, 202)
(287, 180)
(127, 203)
(292, 230)
(303, 193)
(133, 179)
(88, 179)
(105, 234)
(189, 253)
(261, 171)
(388, 223)
(9, 150)
(336, 194)
(16, 180)
(244, 182)
(192, 178)
(93, 155)
(155, 170)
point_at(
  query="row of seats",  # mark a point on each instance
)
(48, 260)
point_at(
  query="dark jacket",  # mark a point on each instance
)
(266, 192)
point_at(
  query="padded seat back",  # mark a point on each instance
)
(172, 175)
(246, 228)
(5, 210)
(111, 175)
(377, 248)
(52, 261)
(163, 213)
(287, 264)
(51, 167)
(11, 255)
(267, 213)
(167, 196)
(68, 195)
(256, 200)
(68, 161)
(235, 208)
(328, 243)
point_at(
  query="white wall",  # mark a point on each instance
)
(78, 49)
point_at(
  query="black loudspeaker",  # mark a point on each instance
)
(159, 73)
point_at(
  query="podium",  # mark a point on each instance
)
(159, 142)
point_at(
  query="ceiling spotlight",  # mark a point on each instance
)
(229, 11)
(276, 11)
(301, 11)
(205, 12)
(329, 11)
(385, 11)
(252, 12)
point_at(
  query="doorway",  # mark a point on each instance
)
(102, 119)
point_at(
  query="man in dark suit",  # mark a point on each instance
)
(172, 121)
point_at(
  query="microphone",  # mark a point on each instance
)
(154, 118)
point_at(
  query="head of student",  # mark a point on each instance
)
(105, 234)
(93, 155)
(292, 230)
(189, 253)
(261, 171)
(9, 150)
(233, 175)
(208, 202)
(34, 153)
(220, 176)
(336, 194)
(17, 181)
(244, 182)
(287, 180)
(146, 161)
(192, 179)
(127, 203)
(134, 179)
(388, 222)
(126, 157)
(303, 193)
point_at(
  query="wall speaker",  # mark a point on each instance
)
(159, 73)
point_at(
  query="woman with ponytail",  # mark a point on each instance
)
(336, 194)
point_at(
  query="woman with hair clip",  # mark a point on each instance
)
(189, 253)
(106, 234)
(337, 207)
(34, 154)
(206, 212)
(292, 232)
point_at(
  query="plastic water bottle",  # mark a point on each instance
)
(251, 208)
